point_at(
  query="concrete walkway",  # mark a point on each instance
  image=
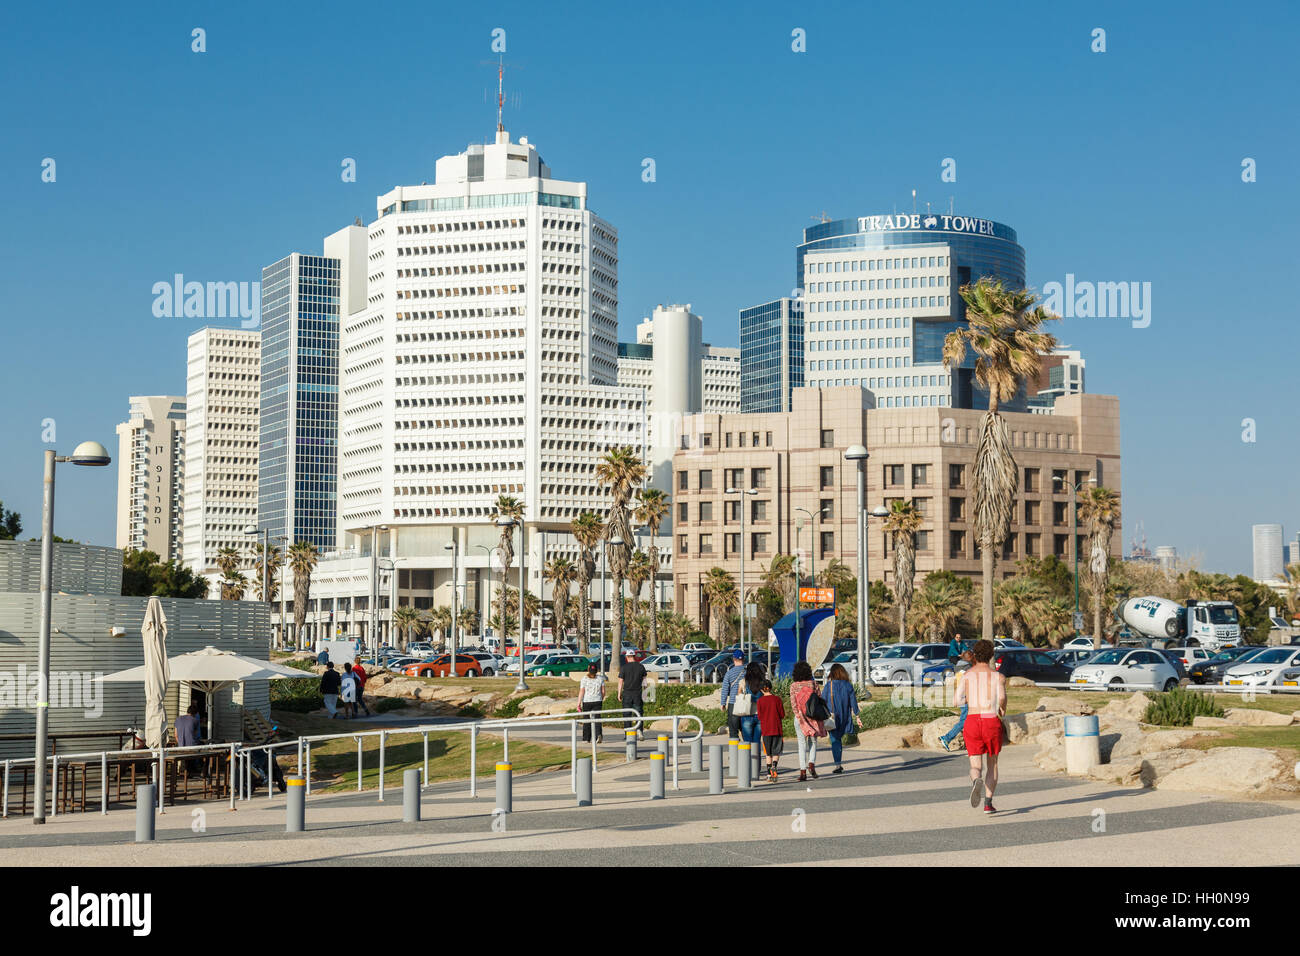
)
(887, 808)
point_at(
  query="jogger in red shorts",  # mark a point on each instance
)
(984, 691)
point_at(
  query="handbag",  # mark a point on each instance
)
(829, 722)
(744, 703)
(815, 708)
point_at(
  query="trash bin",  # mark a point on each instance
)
(1082, 744)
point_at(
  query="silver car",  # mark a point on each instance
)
(903, 663)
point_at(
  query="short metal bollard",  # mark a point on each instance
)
(697, 755)
(663, 743)
(295, 804)
(145, 803)
(584, 781)
(656, 776)
(743, 766)
(755, 764)
(631, 745)
(732, 746)
(715, 768)
(411, 796)
(504, 791)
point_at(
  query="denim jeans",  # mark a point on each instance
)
(956, 728)
(749, 729)
(837, 745)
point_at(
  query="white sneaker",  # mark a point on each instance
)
(977, 792)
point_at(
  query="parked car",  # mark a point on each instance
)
(1002, 642)
(531, 659)
(1191, 655)
(697, 646)
(1083, 641)
(848, 658)
(903, 663)
(491, 663)
(1172, 657)
(420, 649)
(466, 666)
(668, 665)
(1119, 667)
(559, 665)
(1038, 666)
(1071, 656)
(1289, 678)
(714, 668)
(1263, 669)
(1210, 671)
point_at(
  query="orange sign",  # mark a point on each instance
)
(816, 595)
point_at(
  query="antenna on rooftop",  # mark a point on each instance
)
(824, 217)
(500, 64)
(913, 200)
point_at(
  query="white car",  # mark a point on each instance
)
(1289, 678)
(903, 663)
(696, 646)
(1121, 667)
(492, 664)
(531, 659)
(1191, 656)
(1264, 668)
(668, 665)
(850, 661)
(1081, 642)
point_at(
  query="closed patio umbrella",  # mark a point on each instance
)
(155, 673)
(211, 670)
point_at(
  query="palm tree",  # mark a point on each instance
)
(651, 510)
(587, 530)
(836, 574)
(1002, 327)
(1293, 589)
(639, 571)
(1055, 621)
(903, 522)
(720, 589)
(233, 585)
(272, 560)
(302, 561)
(227, 560)
(1099, 507)
(468, 620)
(1020, 601)
(779, 577)
(560, 573)
(406, 621)
(440, 621)
(507, 507)
(621, 471)
(937, 608)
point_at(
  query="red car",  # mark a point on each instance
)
(466, 666)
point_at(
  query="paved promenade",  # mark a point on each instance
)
(887, 808)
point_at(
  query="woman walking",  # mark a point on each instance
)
(842, 701)
(806, 729)
(754, 688)
(592, 698)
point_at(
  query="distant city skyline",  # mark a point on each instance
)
(1130, 171)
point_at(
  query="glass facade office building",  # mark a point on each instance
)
(771, 355)
(298, 471)
(850, 271)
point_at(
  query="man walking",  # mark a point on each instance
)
(730, 688)
(984, 692)
(631, 679)
(329, 689)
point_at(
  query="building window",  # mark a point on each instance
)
(956, 476)
(758, 477)
(1031, 479)
(1058, 481)
(682, 479)
(732, 543)
(706, 511)
(759, 542)
(893, 476)
(826, 543)
(920, 476)
(828, 438)
(1032, 545)
(922, 541)
(1032, 512)
(706, 479)
(767, 439)
(956, 544)
(706, 544)
(956, 509)
(682, 546)
(726, 440)
(827, 476)
(1059, 512)
(686, 442)
(731, 511)
(1059, 544)
(740, 436)
(681, 512)
(827, 508)
(922, 507)
(735, 477)
(758, 511)
(755, 437)
(706, 441)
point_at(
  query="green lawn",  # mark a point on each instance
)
(1285, 740)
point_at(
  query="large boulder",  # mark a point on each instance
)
(1024, 727)
(1021, 682)
(1132, 708)
(1146, 770)
(563, 707)
(375, 681)
(1253, 717)
(1161, 740)
(1051, 752)
(1076, 705)
(1119, 738)
(896, 737)
(1243, 770)
(1201, 720)
(931, 732)
(536, 705)
(707, 702)
(482, 698)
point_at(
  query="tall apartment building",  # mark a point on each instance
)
(771, 354)
(1062, 373)
(881, 294)
(1266, 540)
(796, 462)
(483, 361)
(150, 470)
(679, 371)
(302, 297)
(222, 402)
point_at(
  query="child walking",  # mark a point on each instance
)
(771, 714)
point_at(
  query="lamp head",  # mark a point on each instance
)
(880, 511)
(855, 453)
(90, 453)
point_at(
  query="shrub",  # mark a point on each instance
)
(471, 712)
(299, 695)
(382, 705)
(1178, 707)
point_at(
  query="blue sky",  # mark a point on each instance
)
(1115, 166)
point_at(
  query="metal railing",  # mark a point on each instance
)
(573, 720)
(156, 756)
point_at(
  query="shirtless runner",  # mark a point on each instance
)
(984, 691)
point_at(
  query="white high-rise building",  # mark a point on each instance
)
(482, 363)
(150, 469)
(1267, 540)
(222, 410)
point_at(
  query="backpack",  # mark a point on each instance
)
(815, 708)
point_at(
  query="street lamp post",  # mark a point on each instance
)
(90, 453)
(374, 586)
(1074, 544)
(615, 659)
(744, 618)
(858, 455)
(488, 594)
(454, 548)
(798, 527)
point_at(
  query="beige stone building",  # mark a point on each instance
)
(795, 462)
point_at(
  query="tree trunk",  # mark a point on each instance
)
(986, 567)
(616, 644)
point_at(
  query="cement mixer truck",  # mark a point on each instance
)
(1209, 624)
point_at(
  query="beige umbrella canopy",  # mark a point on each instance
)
(155, 673)
(210, 670)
